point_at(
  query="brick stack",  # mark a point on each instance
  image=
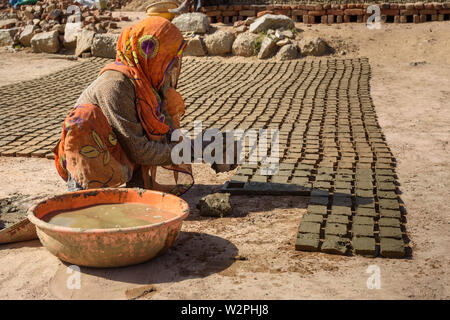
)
(334, 13)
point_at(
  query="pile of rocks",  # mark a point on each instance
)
(51, 25)
(267, 36)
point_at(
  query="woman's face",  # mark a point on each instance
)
(171, 78)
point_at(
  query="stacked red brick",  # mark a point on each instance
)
(334, 13)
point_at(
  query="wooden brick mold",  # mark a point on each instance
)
(416, 12)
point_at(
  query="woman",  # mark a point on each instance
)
(119, 131)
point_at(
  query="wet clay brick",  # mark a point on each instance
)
(387, 194)
(319, 200)
(389, 222)
(390, 232)
(309, 227)
(319, 193)
(312, 218)
(362, 220)
(342, 201)
(365, 202)
(307, 242)
(386, 213)
(362, 230)
(392, 248)
(335, 245)
(317, 209)
(364, 246)
(389, 204)
(337, 219)
(340, 210)
(366, 212)
(336, 229)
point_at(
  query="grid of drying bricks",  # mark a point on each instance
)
(331, 145)
(32, 112)
(335, 13)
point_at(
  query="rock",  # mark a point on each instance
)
(240, 29)
(283, 42)
(417, 63)
(288, 34)
(84, 40)
(104, 45)
(313, 47)
(26, 35)
(288, 52)
(192, 22)
(215, 205)
(219, 43)
(195, 47)
(70, 34)
(7, 36)
(244, 45)
(59, 27)
(55, 15)
(8, 23)
(271, 21)
(45, 42)
(249, 21)
(278, 35)
(36, 22)
(268, 48)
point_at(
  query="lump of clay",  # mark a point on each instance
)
(215, 205)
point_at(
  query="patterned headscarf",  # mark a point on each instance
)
(145, 52)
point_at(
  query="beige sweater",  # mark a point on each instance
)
(114, 93)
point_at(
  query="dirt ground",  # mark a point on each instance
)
(250, 254)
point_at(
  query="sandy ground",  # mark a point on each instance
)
(412, 103)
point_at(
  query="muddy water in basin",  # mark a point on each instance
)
(108, 216)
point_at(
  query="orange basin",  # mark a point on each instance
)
(108, 247)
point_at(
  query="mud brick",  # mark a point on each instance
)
(364, 184)
(321, 185)
(309, 227)
(301, 181)
(335, 229)
(366, 212)
(325, 170)
(368, 202)
(392, 248)
(245, 171)
(239, 179)
(307, 242)
(338, 219)
(335, 245)
(319, 200)
(342, 200)
(324, 177)
(287, 166)
(389, 222)
(280, 179)
(387, 194)
(385, 172)
(317, 209)
(257, 178)
(380, 178)
(390, 232)
(342, 185)
(341, 210)
(364, 246)
(247, 13)
(342, 192)
(363, 230)
(301, 173)
(364, 193)
(389, 204)
(214, 13)
(386, 186)
(344, 177)
(386, 213)
(312, 218)
(319, 193)
(284, 173)
(362, 220)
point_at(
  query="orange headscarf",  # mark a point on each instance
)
(145, 51)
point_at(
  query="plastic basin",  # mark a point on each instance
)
(108, 247)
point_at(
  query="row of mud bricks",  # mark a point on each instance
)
(334, 13)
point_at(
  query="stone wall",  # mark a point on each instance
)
(333, 12)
